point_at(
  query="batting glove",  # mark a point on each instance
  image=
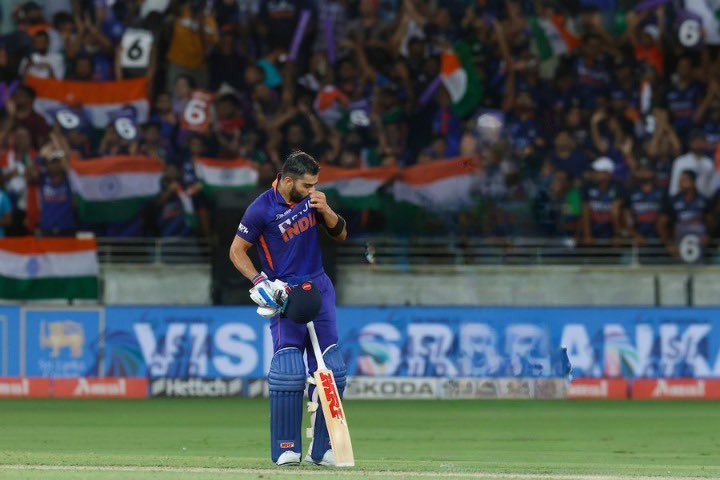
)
(269, 296)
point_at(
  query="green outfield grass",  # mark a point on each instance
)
(225, 439)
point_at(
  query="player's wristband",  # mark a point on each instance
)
(260, 277)
(338, 228)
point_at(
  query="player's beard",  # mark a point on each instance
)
(295, 195)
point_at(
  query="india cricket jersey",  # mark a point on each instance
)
(285, 235)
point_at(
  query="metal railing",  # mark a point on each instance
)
(153, 250)
(522, 251)
(403, 251)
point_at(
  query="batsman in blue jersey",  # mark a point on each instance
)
(282, 224)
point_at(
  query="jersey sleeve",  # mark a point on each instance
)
(252, 224)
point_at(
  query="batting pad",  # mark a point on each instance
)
(286, 381)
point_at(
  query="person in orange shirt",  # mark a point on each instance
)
(194, 35)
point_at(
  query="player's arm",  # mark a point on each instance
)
(334, 223)
(240, 258)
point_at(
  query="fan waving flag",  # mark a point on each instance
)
(42, 268)
(461, 79)
(220, 174)
(444, 185)
(114, 189)
(551, 37)
(357, 188)
(98, 99)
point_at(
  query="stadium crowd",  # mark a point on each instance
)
(610, 112)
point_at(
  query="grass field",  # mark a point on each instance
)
(228, 439)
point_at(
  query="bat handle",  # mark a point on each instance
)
(316, 346)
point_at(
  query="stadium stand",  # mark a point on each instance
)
(590, 123)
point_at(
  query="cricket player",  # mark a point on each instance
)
(282, 224)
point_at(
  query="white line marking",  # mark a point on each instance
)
(332, 471)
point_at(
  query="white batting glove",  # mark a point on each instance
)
(269, 296)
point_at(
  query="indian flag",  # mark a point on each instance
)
(460, 78)
(218, 174)
(440, 186)
(356, 188)
(551, 37)
(113, 189)
(42, 268)
(98, 99)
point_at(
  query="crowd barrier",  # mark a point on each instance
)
(398, 352)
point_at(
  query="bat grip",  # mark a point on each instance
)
(316, 346)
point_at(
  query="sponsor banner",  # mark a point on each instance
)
(590, 388)
(468, 388)
(83, 387)
(551, 388)
(196, 387)
(16, 387)
(62, 343)
(187, 342)
(391, 388)
(441, 342)
(9, 341)
(516, 388)
(257, 388)
(676, 388)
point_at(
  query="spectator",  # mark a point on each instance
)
(614, 141)
(21, 114)
(697, 161)
(602, 202)
(57, 211)
(683, 96)
(171, 219)
(225, 64)
(644, 204)
(567, 157)
(686, 212)
(43, 63)
(193, 36)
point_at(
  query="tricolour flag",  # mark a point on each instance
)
(41, 268)
(356, 188)
(551, 37)
(113, 189)
(443, 185)
(98, 99)
(220, 174)
(460, 78)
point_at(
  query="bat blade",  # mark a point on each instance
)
(334, 418)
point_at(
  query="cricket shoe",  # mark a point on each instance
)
(288, 458)
(328, 459)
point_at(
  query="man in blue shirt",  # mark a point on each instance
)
(282, 224)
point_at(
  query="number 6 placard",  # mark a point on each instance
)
(136, 46)
(196, 116)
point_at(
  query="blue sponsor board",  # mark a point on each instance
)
(62, 343)
(186, 342)
(210, 342)
(9, 341)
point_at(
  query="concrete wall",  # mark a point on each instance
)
(156, 284)
(440, 285)
(542, 285)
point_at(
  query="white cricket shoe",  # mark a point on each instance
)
(288, 458)
(328, 459)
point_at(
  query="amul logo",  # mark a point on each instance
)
(331, 393)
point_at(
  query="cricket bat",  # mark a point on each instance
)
(332, 407)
